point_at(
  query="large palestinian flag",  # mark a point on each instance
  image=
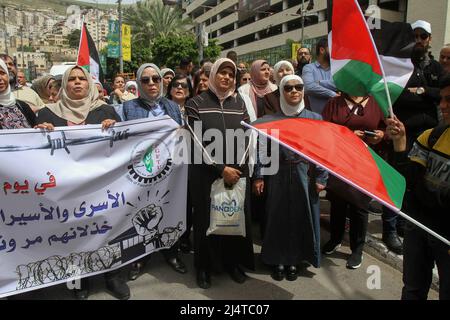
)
(339, 151)
(360, 56)
(88, 56)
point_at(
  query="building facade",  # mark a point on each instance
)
(248, 26)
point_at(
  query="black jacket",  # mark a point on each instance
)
(419, 112)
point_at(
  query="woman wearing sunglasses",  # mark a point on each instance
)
(272, 100)
(292, 232)
(179, 91)
(219, 109)
(152, 104)
(364, 117)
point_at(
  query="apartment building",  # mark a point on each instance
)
(262, 28)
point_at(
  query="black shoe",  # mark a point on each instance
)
(278, 272)
(135, 271)
(177, 265)
(118, 287)
(203, 279)
(330, 247)
(185, 246)
(291, 273)
(354, 261)
(393, 243)
(237, 274)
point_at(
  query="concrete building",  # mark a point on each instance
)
(264, 30)
(37, 59)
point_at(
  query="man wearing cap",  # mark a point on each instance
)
(417, 108)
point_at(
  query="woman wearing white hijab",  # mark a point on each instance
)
(221, 109)
(272, 100)
(14, 114)
(292, 232)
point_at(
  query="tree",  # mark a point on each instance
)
(151, 18)
(74, 38)
(169, 50)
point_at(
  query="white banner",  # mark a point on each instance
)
(80, 201)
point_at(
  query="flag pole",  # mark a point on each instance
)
(386, 88)
(393, 208)
(81, 37)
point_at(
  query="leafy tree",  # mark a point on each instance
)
(74, 38)
(170, 50)
(151, 18)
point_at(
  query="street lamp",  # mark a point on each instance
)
(303, 11)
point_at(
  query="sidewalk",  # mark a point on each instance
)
(374, 245)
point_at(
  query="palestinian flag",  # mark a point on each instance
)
(88, 57)
(360, 57)
(339, 151)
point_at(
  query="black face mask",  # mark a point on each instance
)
(418, 54)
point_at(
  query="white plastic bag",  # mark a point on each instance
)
(227, 215)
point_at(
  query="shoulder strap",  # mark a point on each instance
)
(435, 134)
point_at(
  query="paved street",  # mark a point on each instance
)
(331, 281)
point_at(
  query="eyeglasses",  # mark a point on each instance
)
(155, 79)
(183, 85)
(289, 88)
(423, 36)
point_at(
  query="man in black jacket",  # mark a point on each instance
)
(417, 108)
(427, 200)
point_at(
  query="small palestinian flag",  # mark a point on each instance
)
(360, 56)
(88, 57)
(339, 151)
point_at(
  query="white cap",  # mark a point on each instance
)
(422, 24)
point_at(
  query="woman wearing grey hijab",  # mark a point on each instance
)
(151, 102)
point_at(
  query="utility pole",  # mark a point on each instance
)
(6, 31)
(303, 20)
(21, 45)
(200, 40)
(120, 36)
(98, 39)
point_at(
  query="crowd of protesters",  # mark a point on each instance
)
(223, 93)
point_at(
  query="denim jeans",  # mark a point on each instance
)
(391, 221)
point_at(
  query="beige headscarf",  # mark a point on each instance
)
(40, 86)
(76, 111)
(221, 63)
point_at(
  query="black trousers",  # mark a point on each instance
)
(420, 252)
(339, 210)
